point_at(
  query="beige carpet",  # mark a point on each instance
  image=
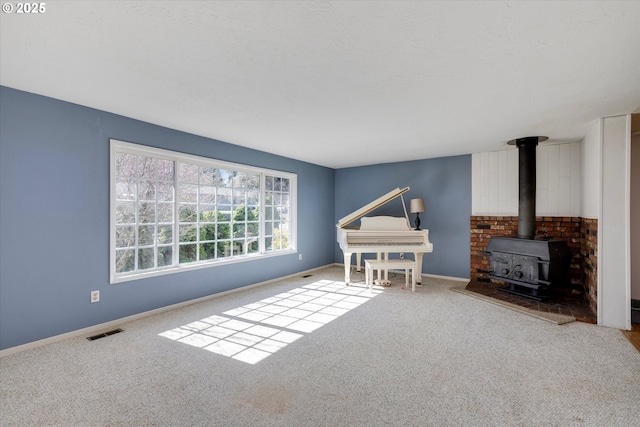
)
(309, 351)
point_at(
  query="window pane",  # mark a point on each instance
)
(253, 198)
(284, 234)
(188, 233)
(223, 196)
(188, 253)
(146, 258)
(253, 229)
(240, 180)
(188, 213)
(207, 251)
(126, 165)
(125, 212)
(285, 184)
(126, 189)
(207, 232)
(224, 213)
(238, 197)
(280, 239)
(165, 254)
(147, 190)
(239, 213)
(224, 249)
(165, 234)
(207, 213)
(268, 181)
(146, 235)
(268, 199)
(239, 230)
(207, 175)
(254, 247)
(164, 170)
(187, 173)
(224, 231)
(125, 260)
(225, 178)
(165, 212)
(207, 194)
(146, 213)
(164, 191)
(125, 236)
(253, 181)
(276, 243)
(238, 247)
(188, 193)
(147, 167)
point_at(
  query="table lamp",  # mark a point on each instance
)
(416, 206)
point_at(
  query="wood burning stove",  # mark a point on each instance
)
(530, 266)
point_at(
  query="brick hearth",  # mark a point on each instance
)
(581, 235)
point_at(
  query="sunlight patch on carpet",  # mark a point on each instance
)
(255, 331)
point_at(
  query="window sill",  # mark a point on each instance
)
(196, 266)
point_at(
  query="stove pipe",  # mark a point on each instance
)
(527, 184)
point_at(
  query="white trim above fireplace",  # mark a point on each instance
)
(494, 186)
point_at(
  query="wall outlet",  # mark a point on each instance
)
(401, 255)
(95, 296)
(299, 257)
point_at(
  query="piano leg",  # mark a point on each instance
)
(417, 271)
(347, 268)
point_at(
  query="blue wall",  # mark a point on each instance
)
(444, 184)
(54, 216)
(54, 219)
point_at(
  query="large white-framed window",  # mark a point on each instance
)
(171, 211)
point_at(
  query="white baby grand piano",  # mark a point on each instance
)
(381, 235)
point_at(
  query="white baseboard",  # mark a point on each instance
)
(91, 330)
(456, 279)
(434, 276)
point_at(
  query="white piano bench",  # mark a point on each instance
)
(385, 265)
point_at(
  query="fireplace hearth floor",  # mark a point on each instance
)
(574, 306)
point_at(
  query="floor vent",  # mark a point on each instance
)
(307, 275)
(104, 334)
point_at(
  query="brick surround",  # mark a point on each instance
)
(581, 235)
(589, 257)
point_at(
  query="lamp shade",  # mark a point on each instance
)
(417, 205)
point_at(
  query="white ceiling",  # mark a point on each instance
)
(337, 84)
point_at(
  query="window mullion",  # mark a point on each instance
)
(261, 224)
(176, 220)
(198, 215)
(137, 216)
(155, 225)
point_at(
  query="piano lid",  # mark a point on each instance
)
(343, 222)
